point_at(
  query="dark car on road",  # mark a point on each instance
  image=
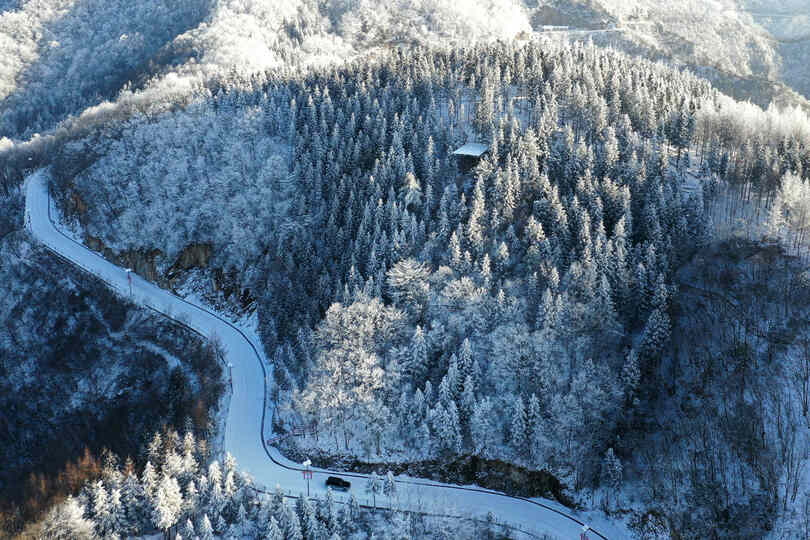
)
(338, 484)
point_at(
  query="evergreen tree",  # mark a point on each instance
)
(424, 438)
(205, 528)
(149, 480)
(66, 521)
(612, 471)
(610, 152)
(482, 429)
(155, 450)
(292, 525)
(476, 231)
(538, 440)
(117, 516)
(631, 375)
(448, 428)
(100, 508)
(188, 529)
(273, 530)
(132, 501)
(417, 363)
(655, 335)
(518, 432)
(411, 192)
(468, 400)
(168, 504)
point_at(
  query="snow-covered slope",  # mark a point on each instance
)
(245, 431)
(747, 48)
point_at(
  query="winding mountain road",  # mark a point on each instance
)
(246, 428)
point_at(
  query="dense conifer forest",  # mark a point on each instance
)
(613, 297)
(521, 311)
(184, 492)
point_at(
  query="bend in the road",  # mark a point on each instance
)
(199, 319)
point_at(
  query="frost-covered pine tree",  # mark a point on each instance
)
(536, 428)
(417, 355)
(191, 497)
(354, 507)
(424, 438)
(168, 503)
(482, 429)
(468, 401)
(117, 517)
(610, 151)
(329, 512)
(229, 485)
(133, 502)
(205, 528)
(242, 522)
(306, 512)
(216, 497)
(448, 428)
(66, 521)
(99, 507)
(612, 471)
(221, 526)
(445, 391)
(407, 283)
(292, 525)
(465, 358)
(149, 480)
(518, 433)
(631, 375)
(155, 450)
(411, 192)
(428, 393)
(655, 335)
(273, 530)
(188, 529)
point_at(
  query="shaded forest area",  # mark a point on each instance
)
(81, 371)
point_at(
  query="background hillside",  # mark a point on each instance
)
(750, 50)
(57, 61)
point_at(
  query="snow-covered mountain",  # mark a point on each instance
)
(750, 50)
(595, 300)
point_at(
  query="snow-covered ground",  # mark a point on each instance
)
(248, 420)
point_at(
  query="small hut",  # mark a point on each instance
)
(470, 154)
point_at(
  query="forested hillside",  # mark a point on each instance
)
(522, 311)
(80, 371)
(57, 59)
(62, 57)
(183, 492)
(751, 50)
(614, 297)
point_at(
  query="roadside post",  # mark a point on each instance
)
(307, 473)
(129, 280)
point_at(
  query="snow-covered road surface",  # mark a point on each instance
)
(245, 426)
